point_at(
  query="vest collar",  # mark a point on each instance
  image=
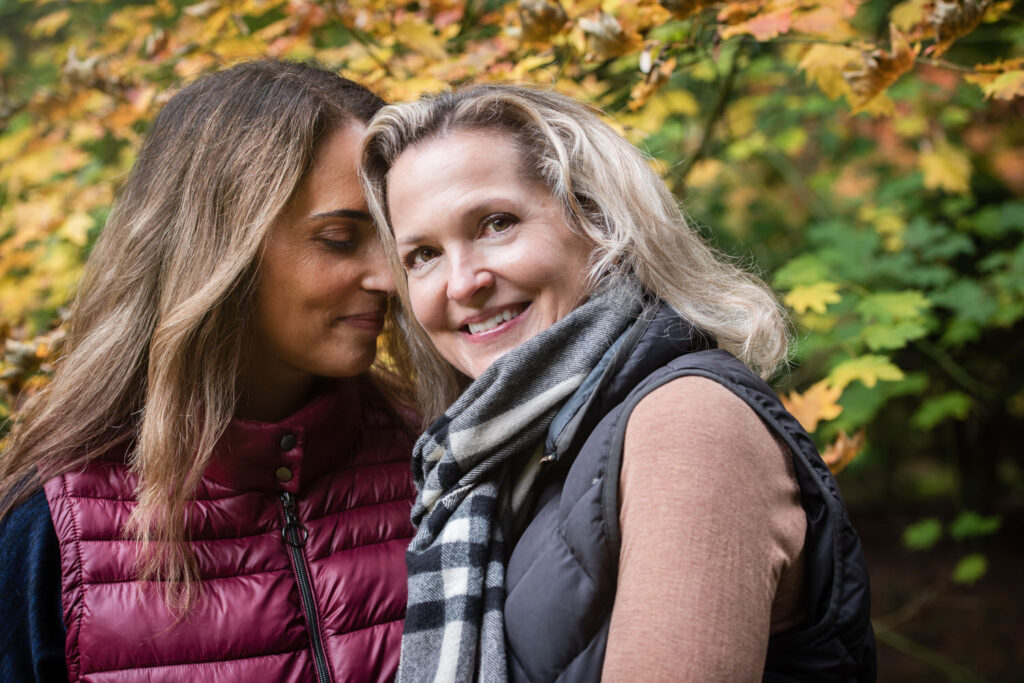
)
(283, 456)
(658, 336)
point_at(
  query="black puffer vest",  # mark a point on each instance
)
(562, 570)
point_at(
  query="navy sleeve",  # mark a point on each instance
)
(31, 619)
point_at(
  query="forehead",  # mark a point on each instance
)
(334, 172)
(448, 171)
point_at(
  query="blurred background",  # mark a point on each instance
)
(866, 157)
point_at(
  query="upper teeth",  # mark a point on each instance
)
(493, 321)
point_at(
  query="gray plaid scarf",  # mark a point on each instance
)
(474, 468)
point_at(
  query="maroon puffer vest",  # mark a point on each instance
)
(299, 528)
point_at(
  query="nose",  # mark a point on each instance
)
(377, 275)
(467, 278)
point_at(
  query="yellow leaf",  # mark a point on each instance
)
(664, 104)
(6, 52)
(843, 450)
(868, 369)
(814, 405)
(50, 24)
(420, 36)
(1006, 86)
(946, 168)
(887, 222)
(814, 297)
(824, 65)
(704, 173)
(908, 14)
(76, 228)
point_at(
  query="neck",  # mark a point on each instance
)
(270, 396)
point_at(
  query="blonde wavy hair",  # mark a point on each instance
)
(160, 326)
(610, 196)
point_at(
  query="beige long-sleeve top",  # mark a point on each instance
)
(712, 540)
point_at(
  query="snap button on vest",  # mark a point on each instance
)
(283, 474)
(288, 442)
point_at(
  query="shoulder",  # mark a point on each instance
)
(696, 408)
(27, 524)
(697, 438)
(31, 625)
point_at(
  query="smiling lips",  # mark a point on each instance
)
(373, 321)
(495, 320)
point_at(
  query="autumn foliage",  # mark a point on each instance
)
(865, 153)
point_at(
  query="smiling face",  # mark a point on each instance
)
(490, 259)
(324, 280)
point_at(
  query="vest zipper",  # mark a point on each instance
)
(295, 534)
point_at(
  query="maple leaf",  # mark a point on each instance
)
(814, 297)
(909, 14)
(814, 405)
(1000, 80)
(824, 64)
(880, 69)
(540, 19)
(894, 306)
(954, 18)
(684, 9)
(823, 21)
(762, 26)
(841, 452)
(606, 37)
(868, 369)
(946, 168)
(656, 76)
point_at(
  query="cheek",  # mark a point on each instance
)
(424, 303)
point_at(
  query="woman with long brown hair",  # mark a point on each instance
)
(215, 485)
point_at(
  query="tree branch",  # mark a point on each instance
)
(714, 114)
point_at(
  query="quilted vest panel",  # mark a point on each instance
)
(562, 569)
(342, 463)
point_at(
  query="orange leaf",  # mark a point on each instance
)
(814, 405)
(843, 450)
(762, 26)
(881, 69)
(953, 19)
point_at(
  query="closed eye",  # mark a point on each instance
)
(338, 245)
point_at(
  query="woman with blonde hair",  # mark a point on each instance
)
(608, 488)
(215, 484)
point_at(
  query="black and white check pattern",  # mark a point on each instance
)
(471, 467)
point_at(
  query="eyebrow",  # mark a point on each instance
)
(479, 208)
(341, 213)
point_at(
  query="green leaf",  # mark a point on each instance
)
(970, 524)
(887, 336)
(923, 534)
(803, 270)
(970, 568)
(893, 306)
(953, 404)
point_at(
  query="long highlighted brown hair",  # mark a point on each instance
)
(160, 325)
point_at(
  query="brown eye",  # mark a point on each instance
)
(418, 257)
(499, 222)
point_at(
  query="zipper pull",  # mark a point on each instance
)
(293, 532)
